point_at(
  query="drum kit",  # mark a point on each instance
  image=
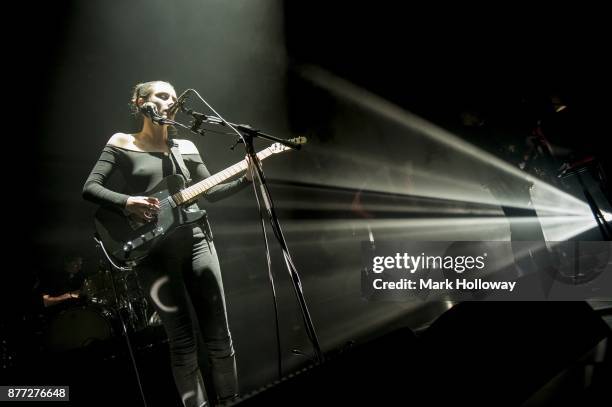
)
(109, 303)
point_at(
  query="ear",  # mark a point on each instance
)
(139, 101)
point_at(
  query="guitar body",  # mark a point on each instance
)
(128, 241)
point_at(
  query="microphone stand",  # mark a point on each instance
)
(247, 134)
(577, 169)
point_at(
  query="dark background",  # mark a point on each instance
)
(73, 65)
(504, 64)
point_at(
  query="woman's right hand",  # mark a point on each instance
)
(143, 208)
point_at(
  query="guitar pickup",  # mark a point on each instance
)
(172, 203)
(142, 239)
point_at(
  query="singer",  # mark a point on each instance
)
(182, 276)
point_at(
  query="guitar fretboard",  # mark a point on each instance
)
(194, 191)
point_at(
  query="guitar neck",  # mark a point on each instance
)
(200, 188)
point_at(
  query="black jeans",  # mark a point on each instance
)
(183, 281)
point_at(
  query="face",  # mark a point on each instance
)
(164, 97)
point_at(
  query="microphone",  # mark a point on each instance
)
(179, 103)
(149, 109)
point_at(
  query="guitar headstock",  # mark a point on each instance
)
(279, 148)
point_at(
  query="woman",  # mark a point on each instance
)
(182, 275)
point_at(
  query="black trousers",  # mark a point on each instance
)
(183, 281)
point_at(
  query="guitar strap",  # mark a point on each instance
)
(178, 160)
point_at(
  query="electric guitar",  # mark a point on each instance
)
(129, 241)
